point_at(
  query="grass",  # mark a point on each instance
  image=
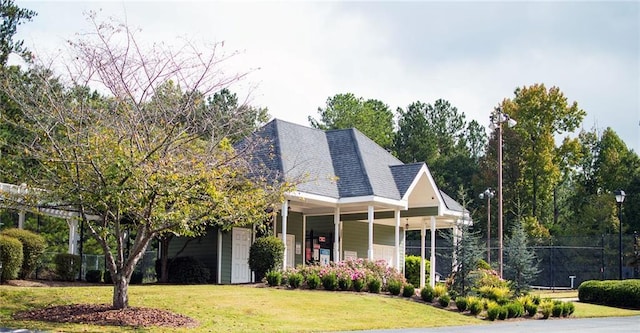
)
(585, 310)
(238, 308)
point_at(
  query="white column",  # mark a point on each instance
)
(73, 234)
(21, 219)
(397, 244)
(304, 240)
(432, 270)
(370, 217)
(285, 214)
(336, 234)
(422, 237)
(219, 256)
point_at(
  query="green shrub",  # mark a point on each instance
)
(394, 287)
(531, 309)
(461, 303)
(493, 311)
(557, 310)
(427, 294)
(483, 265)
(569, 309)
(67, 266)
(503, 312)
(344, 283)
(358, 284)
(107, 277)
(33, 246)
(536, 299)
(617, 293)
(439, 290)
(187, 270)
(11, 255)
(374, 285)
(295, 280)
(93, 276)
(136, 277)
(412, 269)
(444, 300)
(514, 310)
(475, 305)
(498, 294)
(409, 290)
(330, 281)
(274, 278)
(545, 308)
(265, 255)
(313, 281)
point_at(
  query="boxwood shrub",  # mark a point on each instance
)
(313, 281)
(618, 293)
(274, 278)
(11, 257)
(67, 266)
(461, 303)
(409, 290)
(330, 281)
(412, 269)
(394, 287)
(444, 300)
(188, 270)
(265, 254)
(33, 246)
(427, 294)
(93, 276)
(374, 285)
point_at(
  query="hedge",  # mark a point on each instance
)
(33, 246)
(618, 293)
(412, 269)
(10, 257)
(188, 270)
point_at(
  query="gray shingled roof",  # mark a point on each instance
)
(336, 163)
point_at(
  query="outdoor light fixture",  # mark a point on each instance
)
(498, 117)
(619, 199)
(489, 194)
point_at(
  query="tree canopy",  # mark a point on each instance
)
(134, 156)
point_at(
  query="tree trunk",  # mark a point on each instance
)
(164, 260)
(120, 291)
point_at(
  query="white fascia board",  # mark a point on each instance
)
(303, 196)
(333, 202)
(424, 170)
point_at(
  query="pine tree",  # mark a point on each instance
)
(521, 265)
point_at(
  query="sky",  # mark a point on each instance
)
(472, 53)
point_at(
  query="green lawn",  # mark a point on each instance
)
(239, 308)
(256, 309)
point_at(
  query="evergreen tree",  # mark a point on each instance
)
(521, 265)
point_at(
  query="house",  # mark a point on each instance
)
(353, 199)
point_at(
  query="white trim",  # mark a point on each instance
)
(422, 258)
(370, 218)
(397, 239)
(304, 240)
(285, 215)
(425, 170)
(303, 196)
(73, 235)
(432, 267)
(336, 232)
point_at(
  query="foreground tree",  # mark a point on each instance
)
(136, 159)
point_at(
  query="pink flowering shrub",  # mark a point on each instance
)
(352, 274)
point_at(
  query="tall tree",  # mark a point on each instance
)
(439, 135)
(12, 17)
(542, 114)
(371, 117)
(135, 158)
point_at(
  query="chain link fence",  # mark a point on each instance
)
(146, 265)
(560, 259)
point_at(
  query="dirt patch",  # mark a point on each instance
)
(104, 314)
(98, 314)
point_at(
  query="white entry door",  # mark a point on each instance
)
(384, 252)
(240, 271)
(291, 255)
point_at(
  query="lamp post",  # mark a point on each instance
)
(498, 117)
(488, 193)
(619, 199)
